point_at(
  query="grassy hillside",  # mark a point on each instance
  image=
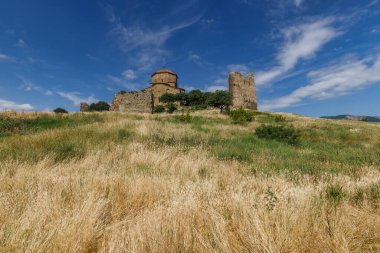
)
(113, 182)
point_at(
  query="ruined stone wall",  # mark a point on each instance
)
(243, 90)
(141, 102)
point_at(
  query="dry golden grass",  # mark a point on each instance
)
(146, 191)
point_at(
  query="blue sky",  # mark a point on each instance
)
(309, 57)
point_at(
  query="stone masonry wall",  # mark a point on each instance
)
(141, 102)
(84, 107)
(243, 90)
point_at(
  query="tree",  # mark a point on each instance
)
(220, 99)
(168, 98)
(196, 97)
(171, 107)
(59, 110)
(99, 106)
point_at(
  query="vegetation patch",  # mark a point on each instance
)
(286, 134)
(19, 125)
(241, 116)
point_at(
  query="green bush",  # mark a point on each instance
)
(159, 109)
(287, 134)
(99, 106)
(335, 193)
(184, 117)
(279, 118)
(171, 107)
(220, 99)
(241, 116)
(59, 110)
(169, 98)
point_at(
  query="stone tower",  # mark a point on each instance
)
(243, 90)
(84, 107)
(164, 81)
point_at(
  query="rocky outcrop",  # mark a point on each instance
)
(243, 90)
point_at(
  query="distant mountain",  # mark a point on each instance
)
(351, 117)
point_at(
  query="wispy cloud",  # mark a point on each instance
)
(10, 105)
(337, 80)
(4, 57)
(125, 80)
(145, 44)
(21, 44)
(242, 68)
(216, 87)
(298, 3)
(301, 42)
(129, 74)
(29, 86)
(76, 97)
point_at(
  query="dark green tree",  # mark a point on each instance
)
(59, 110)
(220, 99)
(196, 97)
(171, 107)
(99, 106)
(168, 98)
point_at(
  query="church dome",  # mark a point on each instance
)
(161, 71)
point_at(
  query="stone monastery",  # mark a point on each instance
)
(242, 90)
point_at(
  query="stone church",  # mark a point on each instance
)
(242, 90)
(163, 81)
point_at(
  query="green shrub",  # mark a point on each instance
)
(168, 98)
(99, 106)
(123, 134)
(279, 118)
(287, 134)
(241, 116)
(335, 193)
(159, 109)
(184, 117)
(59, 110)
(171, 107)
(220, 99)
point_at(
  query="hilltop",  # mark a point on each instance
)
(351, 117)
(196, 182)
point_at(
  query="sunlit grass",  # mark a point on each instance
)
(114, 182)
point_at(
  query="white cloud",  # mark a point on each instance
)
(216, 87)
(10, 105)
(123, 81)
(4, 57)
(301, 42)
(76, 98)
(131, 38)
(238, 68)
(194, 57)
(330, 82)
(29, 86)
(298, 3)
(143, 44)
(22, 44)
(129, 74)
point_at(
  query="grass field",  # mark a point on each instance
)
(113, 182)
